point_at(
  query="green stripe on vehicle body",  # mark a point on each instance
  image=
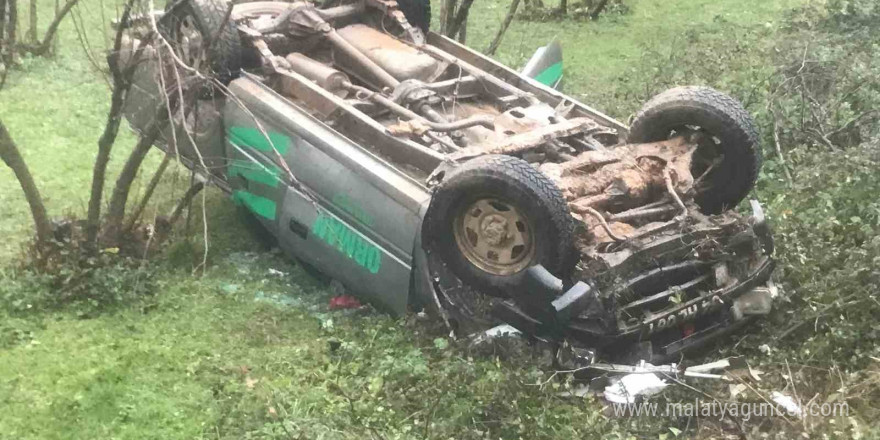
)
(256, 139)
(258, 205)
(255, 172)
(550, 76)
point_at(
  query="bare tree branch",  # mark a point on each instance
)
(504, 25)
(185, 201)
(46, 44)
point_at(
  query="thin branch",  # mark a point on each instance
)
(504, 25)
(185, 201)
(855, 120)
(151, 187)
(778, 145)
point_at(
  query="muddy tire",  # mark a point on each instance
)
(731, 129)
(190, 25)
(495, 216)
(417, 13)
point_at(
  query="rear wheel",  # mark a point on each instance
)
(731, 153)
(494, 217)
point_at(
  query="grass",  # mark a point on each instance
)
(241, 352)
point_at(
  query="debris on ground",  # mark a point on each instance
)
(627, 388)
(790, 405)
(500, 331)
(342, 302)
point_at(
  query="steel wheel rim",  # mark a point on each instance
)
(188, 42)
(495, 236)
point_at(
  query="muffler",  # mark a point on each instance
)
(325, 76)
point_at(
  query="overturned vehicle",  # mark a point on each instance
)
(420, 173)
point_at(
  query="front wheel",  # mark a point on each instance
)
(205, 39)
(494, 217)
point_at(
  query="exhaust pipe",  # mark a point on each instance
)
(325, 76)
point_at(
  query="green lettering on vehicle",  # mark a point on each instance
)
(348, 242)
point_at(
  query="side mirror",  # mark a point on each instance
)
(545, 66)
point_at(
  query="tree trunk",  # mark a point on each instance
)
(462, 33)
(11, 24)
(32, 15)
(500, 35)
(119, 198)
(2, 31)
(8, 53)
(460, 18)
(99, 171)
(563, 7)
(43, 47)
(449, 7)
(12, 158)
(121, 84)
(594, 13)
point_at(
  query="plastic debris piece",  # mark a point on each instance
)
(792, 407)
(499, 331)
(502, 330)
(642, 368)
(626, 389)
(344, 302)
(736, 389)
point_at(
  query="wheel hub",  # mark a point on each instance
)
(494, 229)
(494, 236)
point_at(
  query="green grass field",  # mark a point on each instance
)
(241, 352)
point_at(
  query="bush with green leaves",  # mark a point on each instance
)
(100, 284)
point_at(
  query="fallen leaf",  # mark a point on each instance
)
(250, 382)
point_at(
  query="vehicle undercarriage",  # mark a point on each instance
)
(545, 213)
